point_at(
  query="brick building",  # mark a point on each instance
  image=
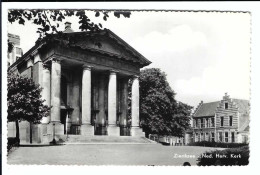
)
(16, 52)
(221, 121)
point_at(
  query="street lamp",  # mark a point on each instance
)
(53, 142)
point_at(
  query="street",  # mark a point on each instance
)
(106, 154)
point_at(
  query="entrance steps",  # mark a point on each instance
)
(99, 139)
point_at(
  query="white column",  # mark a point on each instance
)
(135, 102)
(55, 90)
(46, 95)
(86, 128)
(112, 99)
(46, 91)
(112, 90)
(55, 100)
(135, 130)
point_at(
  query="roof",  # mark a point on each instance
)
(243, 105)
(244, 127)
(106, 32)
(206, 109)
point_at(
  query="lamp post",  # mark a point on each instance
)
(53, 142)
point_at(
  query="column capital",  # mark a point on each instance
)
(87, 67)
(36, 58)
(46, 66)
(113, 72)
(56, 60)
(135, 76)
(30, 62)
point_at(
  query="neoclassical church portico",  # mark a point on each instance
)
(85, 80)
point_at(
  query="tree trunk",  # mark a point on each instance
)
(30, 132)
(17, 132)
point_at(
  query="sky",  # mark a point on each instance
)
(204, 55)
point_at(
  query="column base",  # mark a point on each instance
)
(113, 130)
(87, 130)
(24, 129)
(44, 133)
(59, 128)
(137, 131)
(59, 132)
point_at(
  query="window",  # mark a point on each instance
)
(220, 137)
(206, 123)
(212, 124)
(230, 121)
(196, 137)
(244, 139)
(201, 136)
(221, 121)
(201, 123)
(197, 123)
(226, 136)
(194, 124)
(206, 136)
(226, 105)
(213, 137)
(232, 137)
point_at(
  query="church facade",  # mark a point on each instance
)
(85, 80)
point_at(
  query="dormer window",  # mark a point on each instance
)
(226, 105)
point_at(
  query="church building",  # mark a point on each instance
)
(85, 79)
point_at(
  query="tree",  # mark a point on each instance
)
(160, 113)
(50, 20)
(24, 101)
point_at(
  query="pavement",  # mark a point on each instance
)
(105, 154)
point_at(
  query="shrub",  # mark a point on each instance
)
(218, 144)
(12, 141)
(234, 156)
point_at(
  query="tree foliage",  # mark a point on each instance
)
(50, 20)
(160, 113)
(24, 100)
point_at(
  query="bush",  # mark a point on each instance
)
(12, 141)
(234, 156)
(218, 144)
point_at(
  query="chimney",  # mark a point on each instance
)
(68, 28)
(67, 25)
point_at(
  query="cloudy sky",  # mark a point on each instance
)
(203, 54)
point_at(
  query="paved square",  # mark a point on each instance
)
(105, 154)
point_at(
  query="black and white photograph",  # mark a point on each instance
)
(128, 87)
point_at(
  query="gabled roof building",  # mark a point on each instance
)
(222, 121)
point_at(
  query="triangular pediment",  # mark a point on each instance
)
(107, 43)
